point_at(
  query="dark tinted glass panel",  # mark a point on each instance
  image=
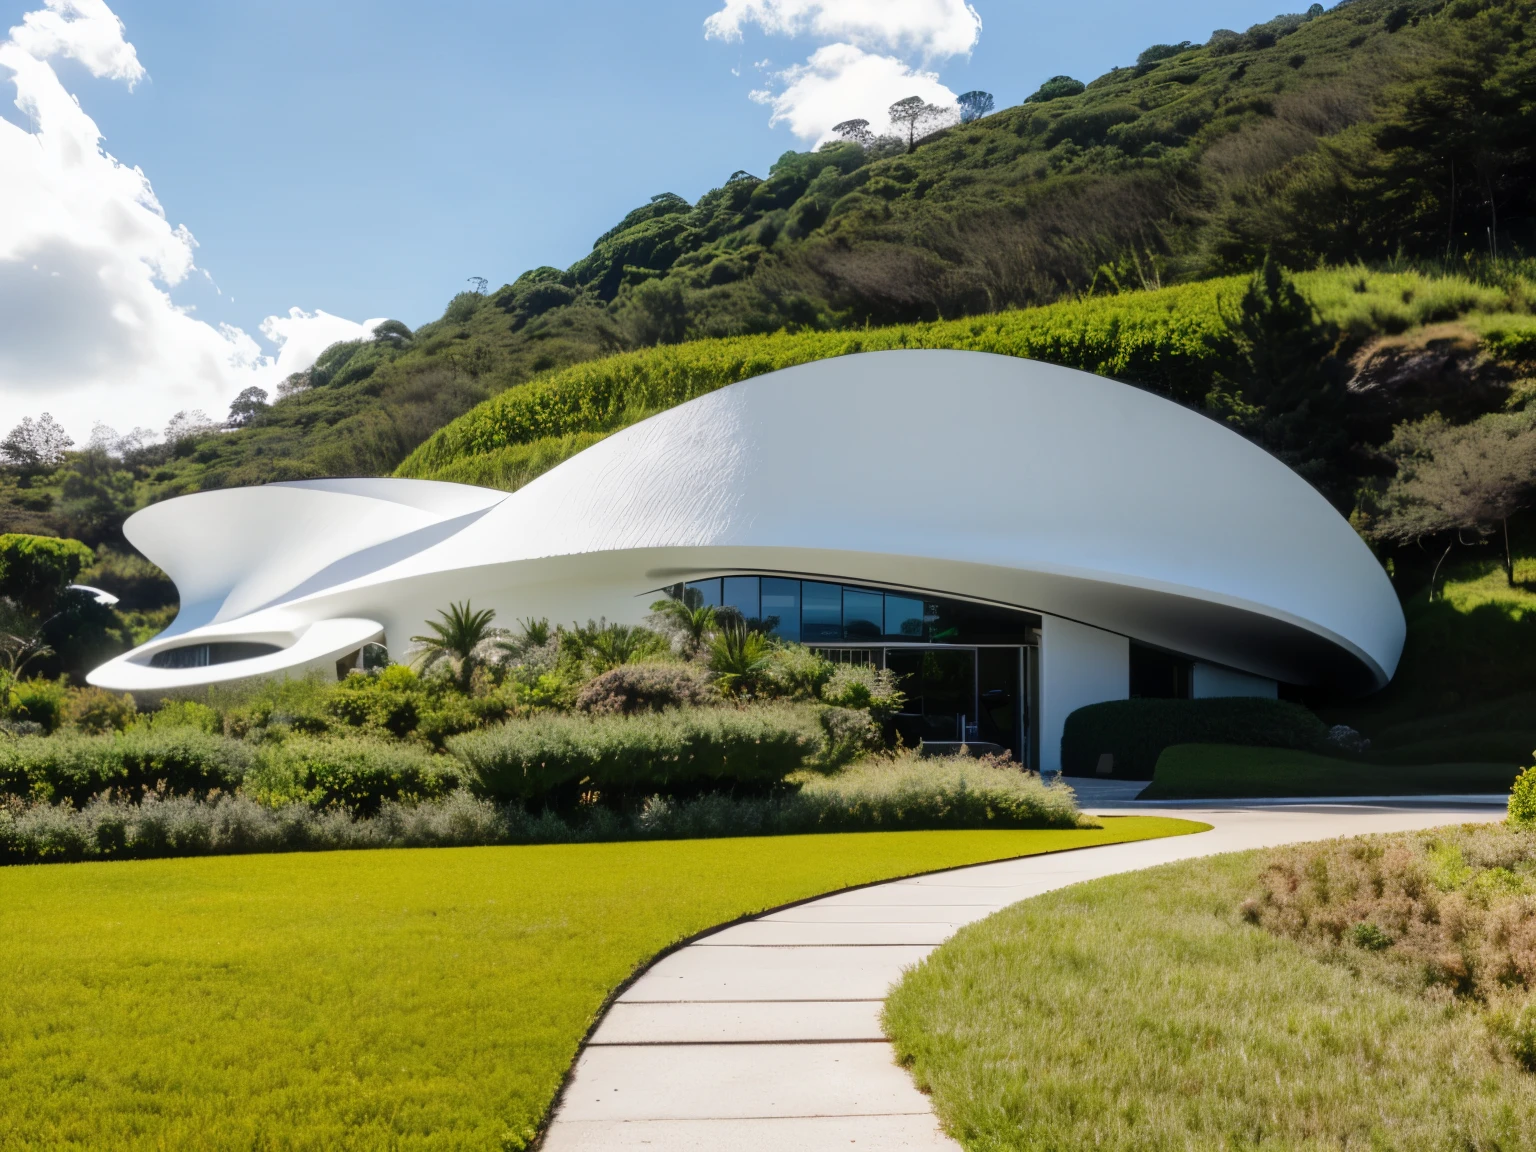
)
(741, 594)
(821, 611)
(863, 613)
(1158, 675)
(202, 655)
(781, 601)
(957, 622)
(708, 592)
(998, 691)
(903, 618)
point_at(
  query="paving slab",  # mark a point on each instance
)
(736, 973)
(766, 1035)
(798, 934)
(725, 1081)
(917, 1131)
(734, 1022)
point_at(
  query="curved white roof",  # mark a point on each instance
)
(960, 473)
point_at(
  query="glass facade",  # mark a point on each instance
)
(821, 612)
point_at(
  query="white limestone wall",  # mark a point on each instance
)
(1214, 680)
(1079, 665)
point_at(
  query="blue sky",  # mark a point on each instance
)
(366, 158)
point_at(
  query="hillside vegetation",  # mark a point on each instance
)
(1375, 132)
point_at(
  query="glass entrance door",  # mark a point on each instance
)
(961, 695)
(940, 684)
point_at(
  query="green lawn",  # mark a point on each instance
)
(395, 998)
(1142, 1012)
(1215, 771)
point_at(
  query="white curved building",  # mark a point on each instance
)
(1018, 539)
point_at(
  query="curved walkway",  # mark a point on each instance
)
(766, 1035)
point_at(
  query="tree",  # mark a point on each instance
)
(857, 131)
(395, 332)
(35, 446)
(1279, 382)
(739, 657)
(461, 640)
(1054, 89)
(188, 425)
(689, 620)
(912, 114)
(1458, 478)
(244, 409)
(973, 105)
(35, 570)
(654, 312)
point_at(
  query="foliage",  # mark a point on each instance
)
(356, 774)
(684, 749)
(974, 105)
(739, 657)
(366, 999)
(633, 688)
(1522, 800)
(1141, 1011)
(95, 710)
(688, 621)
(1459, 478)
(461, 640)
(40, 701)
(1216, 771)
(35, 570)
(1055, 88)
(141, 760)
(1444, 913)
(875, 690)
(599, 646)
(798, 672)
(1135, 732)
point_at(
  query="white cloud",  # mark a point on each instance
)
(930, 28)
(304, 335)
(88, 329)
(841, 82)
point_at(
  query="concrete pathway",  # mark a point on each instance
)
(766, 1035)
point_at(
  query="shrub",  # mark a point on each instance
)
(1522, 800)
(633, 688)
(531, 759)
(849, 733)
(183, 714)
(863, 686)
(798, 672)
(77, 767)
(354, 773)
(41, 702)
(1135, 732)
(95, 710)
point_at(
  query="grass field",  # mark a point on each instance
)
(427, 998)
(1142, 1012)
(1216, 771)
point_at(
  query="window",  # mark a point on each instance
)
(709, 593)
(202, 655)
(863, 613)
(741, 594)
(821, 611)
(903, 618)
(781, 603)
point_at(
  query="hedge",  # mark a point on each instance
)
(1135, 732)
(357, 773)
(530, 759)
(76, 767)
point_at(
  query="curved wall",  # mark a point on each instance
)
(958, 473)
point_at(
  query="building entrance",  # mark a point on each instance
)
(962, 695)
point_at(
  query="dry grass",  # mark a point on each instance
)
(1448, 914)
(1144, 1012)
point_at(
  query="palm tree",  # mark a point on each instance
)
(690, 620)
(739, 656)
(460, 639)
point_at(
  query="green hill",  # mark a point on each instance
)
(1380, 131)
